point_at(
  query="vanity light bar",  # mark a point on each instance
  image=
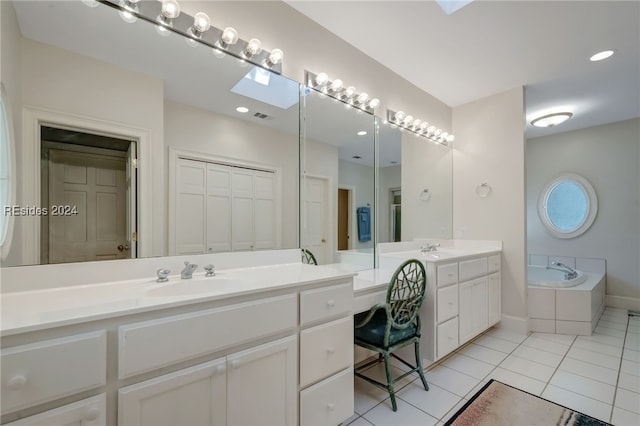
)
(166, 15)
(337, 90)
(419, 127)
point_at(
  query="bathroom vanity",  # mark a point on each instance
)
(261, 345)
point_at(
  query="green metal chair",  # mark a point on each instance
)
(394, 324)
(308, 257)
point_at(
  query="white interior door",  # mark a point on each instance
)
(265, 210)
(190, 207)
(132, 204)
(243, 208)
(218, 208)
(87, 207)
(316, 218)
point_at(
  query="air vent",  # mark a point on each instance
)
(261, 115)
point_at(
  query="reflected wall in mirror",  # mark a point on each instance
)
(194, 173)
(337, 182)
(389, 183)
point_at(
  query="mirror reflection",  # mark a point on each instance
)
(144, 145)
(337, 184)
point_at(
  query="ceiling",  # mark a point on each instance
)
(491, 46)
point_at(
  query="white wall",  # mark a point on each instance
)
(201, 131)
(360, 177)
(389, 177)
(426, 165)
(490, 147)
(608, 156)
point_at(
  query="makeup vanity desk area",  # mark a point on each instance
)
(270, 344)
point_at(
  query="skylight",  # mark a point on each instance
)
(451, 6)
(267, 87)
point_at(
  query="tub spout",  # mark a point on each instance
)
(569, 272)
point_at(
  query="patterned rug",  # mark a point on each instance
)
(499, 404)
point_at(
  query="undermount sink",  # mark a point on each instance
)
(205, 285)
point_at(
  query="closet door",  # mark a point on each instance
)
(190, 206)
(265, 210)
(219, 213)
(243, 208)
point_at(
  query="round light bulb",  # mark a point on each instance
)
(431, 129)
(444, 136)
(437, 133)
(90, 3)
(170, 9)
(127, 16)
(276, 56)
(416, 124)
(321, 79)
(336, 85)
(254, 46)
(201, 22)
(424, 126)
(408, 120)
(229, 35)
(374, 103)
(399, 116)
(349, 92)
(362, 98)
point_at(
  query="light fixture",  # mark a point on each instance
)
(242, 109)
(362, 133)
(128, 10)
(550, 120)
(90, 3)
(418, 127)
(600, 56)
(201, 23)
(275, 57)
(254, 47)
(170, 9)
(334, 89)
(229, 37)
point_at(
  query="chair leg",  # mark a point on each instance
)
(392, 394)
(419, 365)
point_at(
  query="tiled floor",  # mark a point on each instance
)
(598, 375)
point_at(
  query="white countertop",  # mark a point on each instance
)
(27, 311)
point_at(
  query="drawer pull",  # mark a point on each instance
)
(235, 364)
(17, 382)
(331, 406)
(450, 303)
(92, 414)
(331, 350)
(331, 303)
(451, 274)
(221, 369)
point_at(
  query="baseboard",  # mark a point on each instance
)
(513, 323)
(623, 302)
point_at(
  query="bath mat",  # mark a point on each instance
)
(499, 404)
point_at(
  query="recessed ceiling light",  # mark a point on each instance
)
(362, 133)
(242, 109)
(551, 120)
(602, 55)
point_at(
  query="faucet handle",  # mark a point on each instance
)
(163, 275)
(210, 270)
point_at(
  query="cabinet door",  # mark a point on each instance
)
(88, 412)
(466, 311)
(473, 308)
(495, 311)
(193, 396)
(481, 305)
(262, 384)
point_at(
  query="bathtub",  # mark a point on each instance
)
(552, 278)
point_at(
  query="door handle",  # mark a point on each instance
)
(323, 240)
(124, 247)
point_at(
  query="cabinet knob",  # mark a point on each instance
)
(331, 303)
(17, 382)
(331, 406)
(92, 414)
(331, 350)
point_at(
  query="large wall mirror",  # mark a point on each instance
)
(108, 105)
(337, 182)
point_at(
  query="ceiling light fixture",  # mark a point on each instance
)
(242, 109)
(362, 133)
(335, 89)
(197, 29)
(600, 56)
(550, 120)
(419, 127)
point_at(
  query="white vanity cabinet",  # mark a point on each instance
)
(462, 300)
(87, 412)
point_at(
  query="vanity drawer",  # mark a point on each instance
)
(326, 302)
(494, 263)
(473, 268)
(87, 412)
(47, 370)
(447, 274)
(149, 345)
(325, 349)
(329, 402)
(447, 303)
(447, 337)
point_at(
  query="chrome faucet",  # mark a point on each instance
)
(429, 247)
(187, 272)
(569, 272)
(163, 275)
(211, 271)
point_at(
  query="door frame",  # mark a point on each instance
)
(177, 153)
(33, 119)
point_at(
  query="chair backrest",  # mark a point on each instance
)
(406, 293)
(308, 257)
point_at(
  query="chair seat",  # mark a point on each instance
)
(373, 332)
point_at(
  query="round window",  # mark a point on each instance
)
(568, 206)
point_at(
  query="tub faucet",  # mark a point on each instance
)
(569, 272)
(187, 272)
